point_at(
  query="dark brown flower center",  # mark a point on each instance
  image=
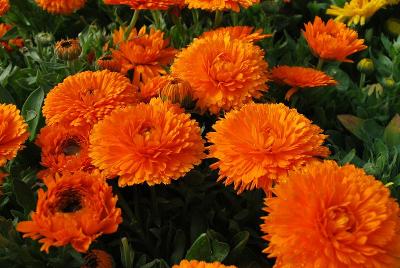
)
(146, 129)
(91, 261)
(66, 44)
(71, 146)
(107, 58)
(69, 201)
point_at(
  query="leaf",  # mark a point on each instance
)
(348, 157)
(179, 247)
(391, 135)
(240, 241)
(31, 111)
(353, 124)
(24, 195)
(5, 96)
(157, 263)
(127, 254)
(219, 251)
(200, 249)
(342, 78)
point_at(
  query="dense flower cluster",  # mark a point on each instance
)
(64, 7)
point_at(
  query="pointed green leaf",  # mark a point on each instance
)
(391, 136)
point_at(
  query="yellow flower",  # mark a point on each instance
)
(356, 11)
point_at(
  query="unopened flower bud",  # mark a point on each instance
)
(366, 66)
(44, 39)
(388, 82)
(68, 49)
(177, 91)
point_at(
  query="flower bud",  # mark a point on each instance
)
(107, 62)
(177, 91)
(68, 49)
(365, 66)
(44, 39)
(388, 82)
(393, 26)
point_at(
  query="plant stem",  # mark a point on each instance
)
(362, 80)
(320, 64)
(132, 24)
(218, 18)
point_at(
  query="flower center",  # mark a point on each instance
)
(337, 220)
(66, 44)
(106, 58)
(146, 129)
(91, 260)
(71, 147)
(69, 201)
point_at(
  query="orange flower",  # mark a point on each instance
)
(97, 259)
(64, 7)
(4, 7)
(200, 264)
(64, 148)
(239, 32)
(76, 209)
(146, 55)
(260, 143)
(300, 77)
(107, 62)
(331, 216)
(177, 91)
(68, 49)
(221, 4)
(13, 132)
(146, 4)
(9, 44)
(152, 88)
(86, 97)
(153, 143)
(333, 40)
(224, 72)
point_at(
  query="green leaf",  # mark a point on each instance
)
(342, 78)
(24, 195)
(219, 251)
(127, 254)
(31, 111)
(353, 124)
(200, 249)
(179, 247)
(391, 135)
(348, 157)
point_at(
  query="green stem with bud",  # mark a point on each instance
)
(362, 80)
(320, 64)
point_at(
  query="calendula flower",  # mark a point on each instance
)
(300, 77)
(224, 72)
(177, 91)
(97, 259)
(107, 62)
(76, 209)
(4, 7)
(68, 49)
(214, 5)
(333, 40)
(152, 88)
(239, 32)
(146, 4)
(146, 55)
(63, 7)
(356, 11)
(330, 216)
(13, 132)
(64, 148)
(87, 97)
(200, 264)
(152, 143)
(9, 44)
(257, 145)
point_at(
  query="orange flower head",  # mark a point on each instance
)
(146, 4)
(153, 143)
(4, 28)
(76, 209)
(330, 216)
(107, 62)
(97, 258)
(152, 88)
(64, 148)
(300, 77)
(239, 32)
(146, 55)
(333, 40)
(258, 144)
(214, 5)
(68, 49)
(177, 91)
(200, 264)
(224, 72)
(13, 132)
(63, 7)
(87, 97)
(4, 7)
